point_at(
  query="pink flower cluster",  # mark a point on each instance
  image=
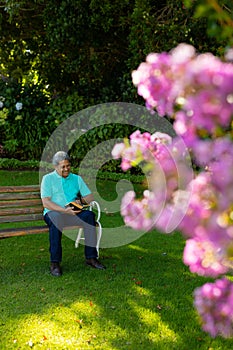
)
(208, 221)
(198, 86)
(197, 92)
(214, 302)
(205, 258)
(164, 161)
(142, 147)
(136, 212)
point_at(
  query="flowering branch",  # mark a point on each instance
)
(197, 92)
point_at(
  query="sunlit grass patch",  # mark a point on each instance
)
(157, 328)
(58, 325)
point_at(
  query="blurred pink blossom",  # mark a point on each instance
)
(195, 90)
(214, 302)
(204, 258)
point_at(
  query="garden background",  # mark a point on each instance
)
(58, 60)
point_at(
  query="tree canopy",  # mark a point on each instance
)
(91, 45)
(58, 57)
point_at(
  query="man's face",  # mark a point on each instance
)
(63, 168)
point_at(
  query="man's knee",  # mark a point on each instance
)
(88, 217)
(56, 219)
(91, 214)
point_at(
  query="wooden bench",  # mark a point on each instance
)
(22, 204)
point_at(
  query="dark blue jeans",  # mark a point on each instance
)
(57, 221)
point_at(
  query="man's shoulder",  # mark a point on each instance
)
(51, 174)
(75, 176)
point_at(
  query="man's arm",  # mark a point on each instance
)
(84, 192)
(87, 199)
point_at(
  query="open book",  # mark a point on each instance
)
(77, 206)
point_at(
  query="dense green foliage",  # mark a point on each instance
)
(59, 59)
(219, 17)
(91, 45)
(24, 130)
(111, 171)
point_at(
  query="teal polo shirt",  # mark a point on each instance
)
(62, 190)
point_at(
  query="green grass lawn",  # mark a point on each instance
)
(143, 300)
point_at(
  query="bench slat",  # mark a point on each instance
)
(21, 203)
(21, 218)
(14, 189)
(19, 196)
(20, 211)
(23, 231)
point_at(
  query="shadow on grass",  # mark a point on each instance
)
(142, 301)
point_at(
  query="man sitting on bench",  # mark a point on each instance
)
(57, 189)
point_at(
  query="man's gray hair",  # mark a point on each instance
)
(59, 156)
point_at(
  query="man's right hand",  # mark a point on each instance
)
(70, 211)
